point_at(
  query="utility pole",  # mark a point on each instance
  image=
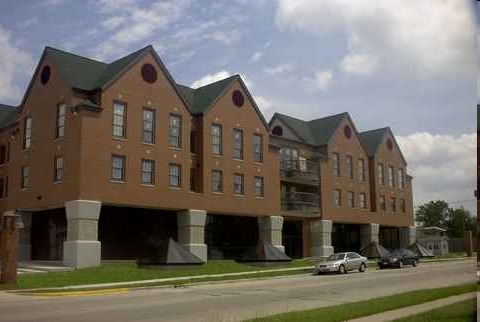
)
(12, 223)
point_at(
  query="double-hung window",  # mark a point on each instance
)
(119, 120)
(27, 132)
(337, 197)
(238, 184)
(383, 205)
(381, 177)
(258, 188)
(238, 144)
(24, 183)
(363, 200)
(148, 172)
(336, 164)
(401, 179)
(351, 199)
(402, 205)
(393, 204)
(217, 139)
(217, 181)
(60, 122)
(175, 175)
(257, 148)
(391, 177)
(57, 169)
(361, 170)
(349, 161)
(175, 131)
(148, 126)
(117, 171)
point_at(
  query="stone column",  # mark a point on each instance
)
(191, 231)
(24, 244)
(82, 248)
(321, 238)
(407, 236)
(368, 234)
(270, 230)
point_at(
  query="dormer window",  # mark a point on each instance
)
(277, 130)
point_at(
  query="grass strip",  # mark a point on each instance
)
(126, 272)
(354, 310)
(465, 311)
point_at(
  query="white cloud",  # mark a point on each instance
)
(321, 81)
(279, 69)
(52, 3)
(113, 22)
(256, 57)
(443, 166)
(425, 37)
(15, 63)
(265, 105)
(478, 64)
(359, 64)
(210, 78)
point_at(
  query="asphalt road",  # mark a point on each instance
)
(234, 301)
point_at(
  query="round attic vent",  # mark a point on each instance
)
(149, 73)
(277, 130)
(45, 76)
(389, 144)
(347, 131)
(237, 98)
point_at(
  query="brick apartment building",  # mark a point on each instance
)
(104, 160)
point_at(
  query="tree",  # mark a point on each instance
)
(459, 221)
(433, 213)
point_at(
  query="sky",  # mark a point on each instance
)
(406, 64)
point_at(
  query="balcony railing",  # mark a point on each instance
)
(300, 170)
(303, 202)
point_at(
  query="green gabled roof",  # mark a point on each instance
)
(201, 99)
(372, 139)
(315, 132)
(7, 114)
(88, 74)
(80, 72)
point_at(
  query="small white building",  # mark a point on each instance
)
(434, 239)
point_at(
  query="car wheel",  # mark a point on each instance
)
(400, 264)
(415, 263)
(342, 269)
(362, 268)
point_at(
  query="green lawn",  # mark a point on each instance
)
(354, 310)
(459, 312)
(125, 272)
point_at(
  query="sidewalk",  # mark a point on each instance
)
(416, 309)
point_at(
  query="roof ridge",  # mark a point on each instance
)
(380, 128)
(76, 55)
(215, 82)
(327, 117)
(291, 117)
(131, 54)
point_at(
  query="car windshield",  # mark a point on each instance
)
(397, 252)
(336, 257)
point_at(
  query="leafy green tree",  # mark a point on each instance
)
(459, 221)
(433, 213)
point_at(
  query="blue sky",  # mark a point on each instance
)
(403, 63)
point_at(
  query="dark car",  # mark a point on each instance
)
(398, 258)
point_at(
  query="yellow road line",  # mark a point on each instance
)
(81, 293)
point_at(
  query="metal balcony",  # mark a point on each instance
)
(300, 171)
(300, 202)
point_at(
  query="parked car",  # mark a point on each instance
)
(398, 258)
(342, 263)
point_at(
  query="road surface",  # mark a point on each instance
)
(234, 301)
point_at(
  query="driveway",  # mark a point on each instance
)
(235, 301)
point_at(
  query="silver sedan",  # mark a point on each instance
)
(342, 263)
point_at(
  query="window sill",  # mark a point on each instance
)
(147, 185)
(195, 193)
(57, 182)
(58, 140)
(117, 181)
(24, 189)
(258, 162)
(174, 188)
(25, 150)
(239, 196)
(174, 148)
(218, 193)
(116, 138)
(259, 198)
(217, 156)
(238, 160)
(148, 144)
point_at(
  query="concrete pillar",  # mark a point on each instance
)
(9, 252)
(270, 230)
(368, 234)
(407, 236)
(24, 243)
(321, 238)
(191, 231)
(82, 248)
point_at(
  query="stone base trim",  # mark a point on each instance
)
(81, 253)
